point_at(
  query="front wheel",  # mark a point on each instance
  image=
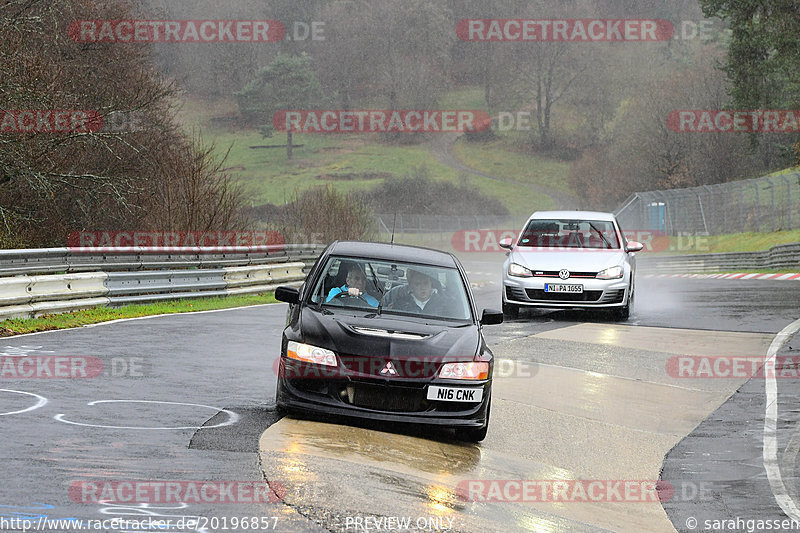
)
(624, 313)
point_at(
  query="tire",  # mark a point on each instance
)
(510, 310)
(279, 407)
(475, 434)
(624, 313)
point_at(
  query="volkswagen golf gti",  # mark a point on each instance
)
(387, 332)
(570, 260)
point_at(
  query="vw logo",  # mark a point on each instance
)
(563, 273)
(388, 370)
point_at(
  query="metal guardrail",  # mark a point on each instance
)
(42, 281)
(58, 260)
(783, 256)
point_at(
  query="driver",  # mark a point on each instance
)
(355, 286)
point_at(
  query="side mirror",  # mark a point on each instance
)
(290, 295)
(506, 243)
(491, 316)
(634, 246)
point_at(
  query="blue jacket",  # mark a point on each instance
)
(338, 290)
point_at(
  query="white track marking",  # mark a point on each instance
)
(770, 449)
(40, 403)
(144, 318)
(232, 417)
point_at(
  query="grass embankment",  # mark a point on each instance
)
(738, 242)
(361, 162)
(16, 326)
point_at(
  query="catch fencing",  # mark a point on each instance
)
(436, 229)
(756, 205)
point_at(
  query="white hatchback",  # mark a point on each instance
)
(570, 260)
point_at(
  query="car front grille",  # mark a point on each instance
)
(405, 367)
(397, 399)
(518, 294)
(554, 274)
(585, 296)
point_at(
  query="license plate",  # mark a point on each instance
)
(454, 394)
(553, 287)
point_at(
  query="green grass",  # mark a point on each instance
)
(348, 162)
(746, 242)
(360, 162)
(734, 242)
(16, 326)
(463, 99)
(499, 158)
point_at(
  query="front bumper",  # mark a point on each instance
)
(389, 400)
(597, 293)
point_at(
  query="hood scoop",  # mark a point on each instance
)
(391, 334)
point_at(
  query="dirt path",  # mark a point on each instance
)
(442, 151)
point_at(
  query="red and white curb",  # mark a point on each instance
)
(739, 275)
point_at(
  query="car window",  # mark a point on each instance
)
(564, 233)
(401, 289)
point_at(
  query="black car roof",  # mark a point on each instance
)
(393, 252)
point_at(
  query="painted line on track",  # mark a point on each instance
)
(232, 417)
(41, 401)
(739, 275)
(116, 320)
(770, 449)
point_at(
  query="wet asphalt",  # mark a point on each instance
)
(188, 397)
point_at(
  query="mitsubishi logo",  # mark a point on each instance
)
(563, 273)
(388, 370)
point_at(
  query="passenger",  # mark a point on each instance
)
(355, 286)
(421, 297)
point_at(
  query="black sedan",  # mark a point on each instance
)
(387, 332)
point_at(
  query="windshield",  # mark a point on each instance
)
(561, 233)
(405, 289)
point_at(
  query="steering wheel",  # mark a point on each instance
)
(345, 294)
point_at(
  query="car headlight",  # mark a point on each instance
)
(614, 272)
(311, 354)
(464, 371)
(519, 271)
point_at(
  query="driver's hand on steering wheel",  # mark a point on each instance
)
(352, 291)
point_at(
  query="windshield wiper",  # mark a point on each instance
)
(375, 280)
(377, 312)
(608, 244)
